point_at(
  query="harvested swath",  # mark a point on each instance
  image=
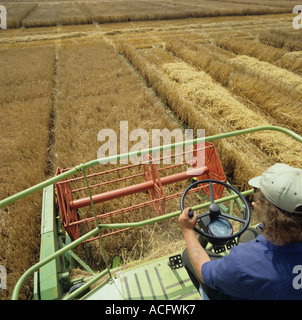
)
(97, 78)
(24, 141)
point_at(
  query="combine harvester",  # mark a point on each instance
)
(225, 216)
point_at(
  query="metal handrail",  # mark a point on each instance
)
(66, 174)
(92, 163)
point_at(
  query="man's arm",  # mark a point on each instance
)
(197, 254)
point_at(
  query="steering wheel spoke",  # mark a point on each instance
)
(229, 216)
(211, 192)
(204, 214)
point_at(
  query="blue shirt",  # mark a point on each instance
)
(257, 270)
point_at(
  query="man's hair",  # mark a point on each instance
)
(280, 227)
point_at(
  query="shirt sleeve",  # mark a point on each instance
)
(224, 274)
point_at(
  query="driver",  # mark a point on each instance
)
(264, 265)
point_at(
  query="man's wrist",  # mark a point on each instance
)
(188, 231)
(189, 235)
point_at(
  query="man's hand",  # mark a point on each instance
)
(197, 254)
(186, 223)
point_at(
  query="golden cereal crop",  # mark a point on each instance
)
(61, 85)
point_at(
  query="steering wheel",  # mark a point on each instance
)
(214, 224)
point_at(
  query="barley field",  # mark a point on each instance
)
(72, 68)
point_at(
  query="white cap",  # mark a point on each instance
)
(281, 184)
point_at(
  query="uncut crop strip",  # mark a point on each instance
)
(202, 103)
(26, 104)
(96, 90)
(93, 87)
(274, 90)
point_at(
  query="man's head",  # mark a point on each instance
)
(278, 203)
(281, 184)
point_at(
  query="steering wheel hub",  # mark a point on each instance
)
(214, 210)
(220, 227)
